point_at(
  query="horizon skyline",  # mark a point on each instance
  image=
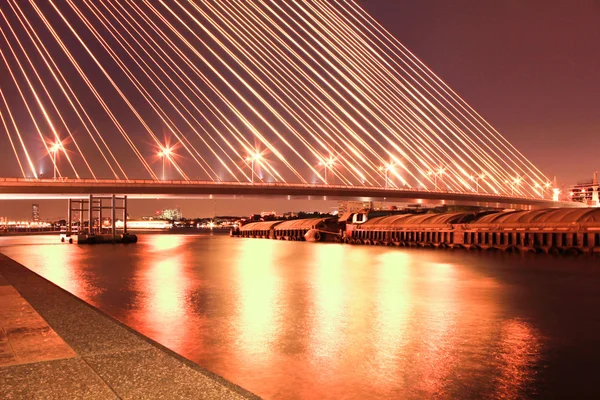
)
(489, 54)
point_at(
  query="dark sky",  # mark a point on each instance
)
(530, 67)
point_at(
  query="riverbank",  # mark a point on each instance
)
(29, 233)
(54, 345)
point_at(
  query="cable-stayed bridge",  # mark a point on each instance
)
(174, 97)
(19, 188)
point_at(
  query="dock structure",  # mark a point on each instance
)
(294, 230)
(411, 230)
(92, 230)
(554, 230)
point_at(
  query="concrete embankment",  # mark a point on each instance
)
(55, 346)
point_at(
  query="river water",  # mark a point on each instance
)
(331, 321)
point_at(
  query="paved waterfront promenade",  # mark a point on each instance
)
(55, 346)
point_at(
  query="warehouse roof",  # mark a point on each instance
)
(405, 220)
(543, 216)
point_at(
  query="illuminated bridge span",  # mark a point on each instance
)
(15, 188)
(294, 94)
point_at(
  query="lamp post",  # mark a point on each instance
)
(482, 177)
(515, 182)
(543, 188)
(435, 175)
(54, 150)
(386, 169)
(255, 157)
(164, 154)
(431, 173)
(328, 164)
(555, 194)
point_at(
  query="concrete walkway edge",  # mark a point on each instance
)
(130, 364)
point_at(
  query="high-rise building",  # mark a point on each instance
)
(35, 212)
(171, 214)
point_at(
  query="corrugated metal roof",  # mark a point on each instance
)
(301, 223)
(495, 218)
(549, 216)
(395, 221)
(546, 216)
(345, 216)
(259, 226)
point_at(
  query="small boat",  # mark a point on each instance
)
(320, 235)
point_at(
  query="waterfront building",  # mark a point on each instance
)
(35, 212)
(586, 192)
(355, 206)
(171, 214)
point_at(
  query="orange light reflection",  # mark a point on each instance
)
(165, 285)
(258, 318)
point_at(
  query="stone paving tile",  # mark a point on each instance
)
(39, 345)
(17, 313)
(153, 374)
(131, 365)
(86, 330)
(26, 333)
(58, 379)
(7, 356)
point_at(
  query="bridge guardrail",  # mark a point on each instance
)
(65, 181)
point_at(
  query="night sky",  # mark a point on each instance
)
(529, 67)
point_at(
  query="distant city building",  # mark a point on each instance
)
(171, 214)
(354, 206)
(586, 192)
(35, 212)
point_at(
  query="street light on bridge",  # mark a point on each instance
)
(54, 149)
(164, 154)
(435, 174)
(543, 188)
(251, 159)
(386, 169)
(476, 178)
(546, 187)
(555, 194)
(328, 164)
(515, 182)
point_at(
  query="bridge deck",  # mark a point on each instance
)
(18, 188)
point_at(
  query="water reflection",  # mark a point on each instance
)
(296, 320)
(519, 351)
(57, 266)
(164, 284)
(329, 286)
(393, 309)
(258, 296)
